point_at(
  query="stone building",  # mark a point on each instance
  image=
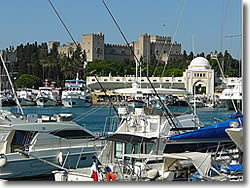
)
(93, 45)
(159, 47)
(146, 48)
(117, 52)
(67, 49)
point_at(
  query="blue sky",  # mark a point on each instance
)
(201, 22)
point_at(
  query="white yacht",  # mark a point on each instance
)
(139, 132)
(233, 93)
(33, 147)
(47, 96)
(75, 94)
(26, 97)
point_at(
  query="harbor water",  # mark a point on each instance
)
(94, 117)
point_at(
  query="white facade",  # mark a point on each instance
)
(199, 72)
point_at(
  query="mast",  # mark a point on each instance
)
(0, 87)
(11, 84)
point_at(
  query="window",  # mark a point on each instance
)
(118, 149)
(98, 50)
(72, 134)
(22, 139)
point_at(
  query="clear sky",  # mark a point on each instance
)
(199, 25)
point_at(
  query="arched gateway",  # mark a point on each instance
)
(199, 77)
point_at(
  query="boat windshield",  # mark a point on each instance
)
(22, 140)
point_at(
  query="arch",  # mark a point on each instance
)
(199, 87)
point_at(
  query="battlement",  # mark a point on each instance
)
(100, 34)
(116, 45)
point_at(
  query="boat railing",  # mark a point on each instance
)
(65, 143)
(111, 124)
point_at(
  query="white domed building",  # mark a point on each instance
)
(199, 77)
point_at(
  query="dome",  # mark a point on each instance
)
(199, 63)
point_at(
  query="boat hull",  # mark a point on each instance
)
(43, 101)
(25, 102)
(75, 102)
(18, 166)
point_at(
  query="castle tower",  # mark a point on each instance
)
(142, 48)
(93, 45)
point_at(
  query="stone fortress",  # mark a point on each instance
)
(146, 48)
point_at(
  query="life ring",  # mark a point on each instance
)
(110, 176)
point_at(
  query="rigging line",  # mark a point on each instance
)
(177, 26)
(123, 36)
(57, 14)
(223, 18)
(89, 111)
(171, 122)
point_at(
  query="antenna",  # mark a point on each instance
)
(193, 44)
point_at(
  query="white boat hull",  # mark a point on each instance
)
(42, 101)
(73, 175)
(19, 166)
(25, 102)
(236, 134)
(75, 102)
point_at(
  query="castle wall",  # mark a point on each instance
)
(117, 52)
(67, 49)
(146, 48)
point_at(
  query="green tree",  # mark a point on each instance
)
(28, 81)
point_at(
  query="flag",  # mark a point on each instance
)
(94, 168)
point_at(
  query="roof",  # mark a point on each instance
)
(199, 63)
(129, 138)
(161, 91)
(120, 85)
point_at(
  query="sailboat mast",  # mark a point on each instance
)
(11, 84)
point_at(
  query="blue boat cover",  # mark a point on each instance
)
(216, 131)
(232, 168)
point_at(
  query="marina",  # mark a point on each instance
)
(139, 111)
